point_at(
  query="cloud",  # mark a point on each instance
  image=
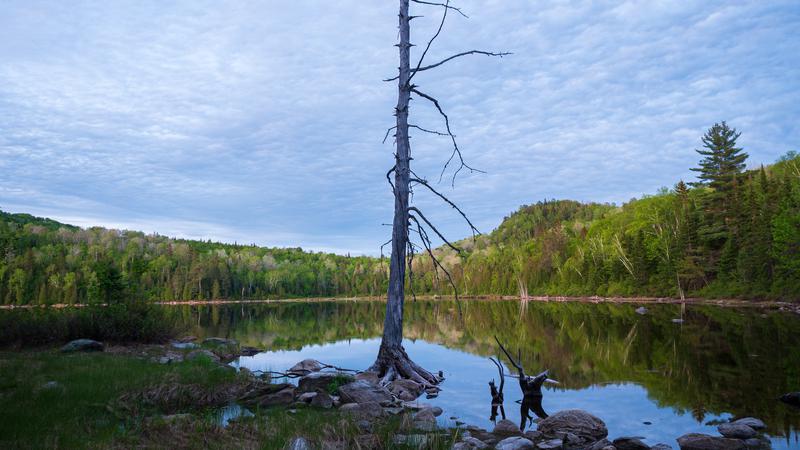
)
(262, 121)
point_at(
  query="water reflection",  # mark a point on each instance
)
(625, 367)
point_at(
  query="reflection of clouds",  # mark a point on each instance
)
(262, 122)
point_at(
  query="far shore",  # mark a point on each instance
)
(725, 302)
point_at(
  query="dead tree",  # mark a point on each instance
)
(497, 394)
(392, 361)
(531, 389)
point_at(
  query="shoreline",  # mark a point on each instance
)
(725, 302)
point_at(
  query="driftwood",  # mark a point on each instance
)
(497, 394)
(531, 389)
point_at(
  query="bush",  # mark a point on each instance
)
(119, 323)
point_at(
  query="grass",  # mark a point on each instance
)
(118, 400)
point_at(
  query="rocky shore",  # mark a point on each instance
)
(359, 396)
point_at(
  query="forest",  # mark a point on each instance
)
(732, 233)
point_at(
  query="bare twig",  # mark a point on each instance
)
(423, 235)
(449, 202)
(428, 131)
(458, 55)
(447, 6)
(387, 133)
(430, 42)
(435, 230)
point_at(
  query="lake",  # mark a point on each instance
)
(643, 374)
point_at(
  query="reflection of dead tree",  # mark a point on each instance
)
(531, 389)
(392, 361)
(497, 394)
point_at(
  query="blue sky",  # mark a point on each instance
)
(262, 121)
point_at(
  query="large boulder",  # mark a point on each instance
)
(514, 443)
(751, 422)
(82, 345)
(322, 381)
(630, 443)
(470, 443)
(360, 391)
(322, 400)
(699, 441)
(406, 390)
(305, 367)
(585, 426)
(736, 431)
(369, 410)
(425, 420)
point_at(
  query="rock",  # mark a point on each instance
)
(661, 447)
(306, 397)
(321, 381)
(322, 400)
(406, 390)
(202, 354)
(269, 395)
(533, 435)
(184, 345)
(369, 410)
(759, 443)
(82, 345)
(550, 444)
(360, 391)
(751, 422)
(393, 410)
(305, 367)
(630, 443)
(698, 441)
(480, 434)
(515, 443)
(736, 431)
(641, 310)
(580, 423)
(505, 428)
(217, 341)
(369, 377)
(470, 443)
(415, 405)
(249, 351)
(299, 443)
(601, 444)
(792, 398)
(411, 440)
(425, 420)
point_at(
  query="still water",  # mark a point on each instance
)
(644, 375)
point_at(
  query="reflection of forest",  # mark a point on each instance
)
(719, 360)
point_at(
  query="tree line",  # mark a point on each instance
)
(732, 233)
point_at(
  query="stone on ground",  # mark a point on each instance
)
(360, 391)
(320, 381)
(406, 390)
(550, 444)
(305, 367)
(369, 410)
(322, 400)
(699, 441)
(585, 426)
(630, 443)
(736, 431)
(470, 443)
(751, 422)
(82, 345)
(515, 443)
(506, 428)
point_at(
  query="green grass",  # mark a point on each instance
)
(105, 400)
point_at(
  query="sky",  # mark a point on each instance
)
(262, 121)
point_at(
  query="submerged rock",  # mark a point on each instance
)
(698, 441)
(515, 443)
(305, 367)
(736, 431)
(83, 345)
(630, 443)
(585, 426)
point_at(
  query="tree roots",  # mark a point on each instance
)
(393, 363)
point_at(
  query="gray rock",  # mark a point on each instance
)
(751, 422)
(515, 443)
(360, 391)
(698, 441)
(306, 397)
(630, 443)
(406, 390)
(736, 431)
(269, 395)
(533, 435)
(759, 443)
(184, 345)
(322, 400)
(425, 420)
(202, 354)
(470, 443)
(299, 443)
(661, 447)
(601, 444)
(505, 428)
(305, 367)
(369, 377)
(480, 434)
(320, 381)
(369, 410)
(551, 444)
(82, 345)
(585, 426)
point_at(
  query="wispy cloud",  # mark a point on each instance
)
(262, 121)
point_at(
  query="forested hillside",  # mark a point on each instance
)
(734, 233)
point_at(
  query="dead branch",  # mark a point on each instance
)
(447, 6)
(426, 241)
(428, 131)
(458, 55)
(387, 133)
(515, 363)
(435, 230)
(430, 42)
(456, 150)
(425, 183)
